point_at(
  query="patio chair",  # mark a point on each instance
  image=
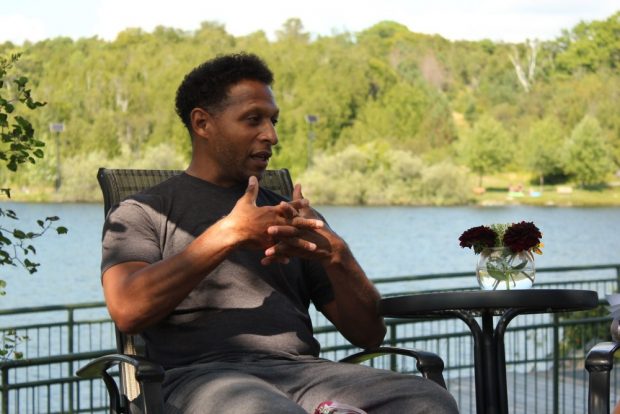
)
(599, 363)
(138, 388)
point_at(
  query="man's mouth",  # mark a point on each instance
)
(261, 159)
(262, 156)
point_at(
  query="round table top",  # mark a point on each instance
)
(528, 300)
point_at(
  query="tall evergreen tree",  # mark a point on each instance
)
(587, 155)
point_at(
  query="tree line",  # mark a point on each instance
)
(382, 116)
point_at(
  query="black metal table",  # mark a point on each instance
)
(489, 353)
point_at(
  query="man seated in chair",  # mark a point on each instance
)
(217, 274)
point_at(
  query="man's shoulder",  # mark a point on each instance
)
(167, 188)
(154, 197)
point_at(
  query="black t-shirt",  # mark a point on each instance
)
(241, 307)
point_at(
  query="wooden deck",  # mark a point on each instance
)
(533, 393)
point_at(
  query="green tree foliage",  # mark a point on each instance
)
(487, 148)
(540, 148)
(412, 117)
(416, 93)
(376, 174)
(587, 154)
(18, 143)
(591, 46)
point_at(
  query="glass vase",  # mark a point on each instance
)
(501, 269)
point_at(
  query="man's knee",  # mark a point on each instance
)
(386, 392)
(429, 397)
(439, 401)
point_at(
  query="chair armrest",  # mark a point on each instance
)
(148, 374)
(429, 364)
(146, 370)
(599, 362)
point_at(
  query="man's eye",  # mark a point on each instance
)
(253, 119)
(274, 121)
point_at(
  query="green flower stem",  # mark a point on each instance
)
(503, 269)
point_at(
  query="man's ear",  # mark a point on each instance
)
(201, 122)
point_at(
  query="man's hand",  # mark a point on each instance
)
(354, 308)
(301, 241)
(249, 224)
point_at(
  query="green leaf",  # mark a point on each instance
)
(495, 272)
(21, 81)
(30, 266)
(62, 230)
(34, 104)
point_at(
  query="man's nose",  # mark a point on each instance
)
(269, 134)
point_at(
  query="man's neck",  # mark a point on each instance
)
(201, 171)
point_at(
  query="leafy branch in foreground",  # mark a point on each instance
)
(15, 246)
(10, 341)
(18, 143)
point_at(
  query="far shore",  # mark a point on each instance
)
(566, 196)
(498, 190)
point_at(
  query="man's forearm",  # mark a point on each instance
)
(356, 300)
(140, 294)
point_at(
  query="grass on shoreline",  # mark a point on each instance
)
(496, 193)
(558, 196)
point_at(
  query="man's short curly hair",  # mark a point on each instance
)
(207, 85)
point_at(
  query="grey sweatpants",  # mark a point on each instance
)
(297, 386)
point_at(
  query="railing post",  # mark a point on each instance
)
(556, 363)
(5, 390)
(618, 278)
(70, 336)
(393, 361)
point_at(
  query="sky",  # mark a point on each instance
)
(497, 20)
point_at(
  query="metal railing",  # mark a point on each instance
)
(544, 353)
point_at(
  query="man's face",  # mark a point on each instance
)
(243, 133)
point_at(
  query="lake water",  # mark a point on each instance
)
(388, 241)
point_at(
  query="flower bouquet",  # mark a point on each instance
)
(506, 260)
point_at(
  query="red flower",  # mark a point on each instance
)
(522, 236)
(478, 238)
